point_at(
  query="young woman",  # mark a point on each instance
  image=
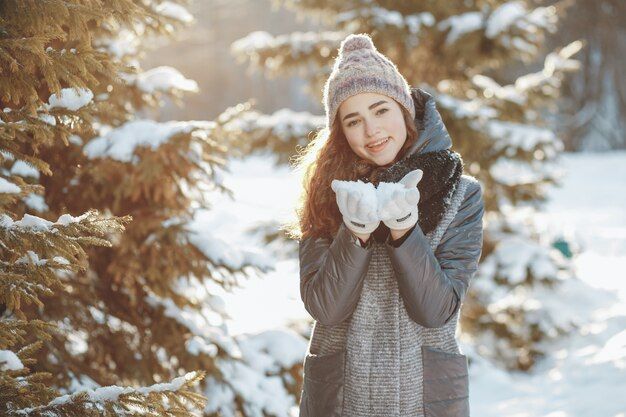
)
(385, 290)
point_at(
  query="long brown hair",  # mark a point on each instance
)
(327, 157)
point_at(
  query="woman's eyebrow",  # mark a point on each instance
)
(370, 108)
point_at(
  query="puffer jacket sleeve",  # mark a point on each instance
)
(332, 272)
(433, 285)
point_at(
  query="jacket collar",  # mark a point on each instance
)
(433, 135)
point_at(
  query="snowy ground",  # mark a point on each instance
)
(585, 376)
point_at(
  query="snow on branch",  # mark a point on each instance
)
(511, 24)
(120, 143)
(466, 109)
(222, 253)
(124, 44)
(284, 124)
(163, 79)
(514, 14)
(380, 17)
(523, 136)
(10, 361)
(207, 327)
(545, 81)
(271, 51)
(174, 11)
(70, 99)
(124, 400)
(514, 172)
(461, 25)
(8, 187)
(30, 222)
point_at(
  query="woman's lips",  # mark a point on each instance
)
(378, 148)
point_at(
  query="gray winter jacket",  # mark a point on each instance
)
(431, 281)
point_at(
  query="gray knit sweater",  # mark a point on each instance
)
(383, 365)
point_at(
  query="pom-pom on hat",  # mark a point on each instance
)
(360, 68)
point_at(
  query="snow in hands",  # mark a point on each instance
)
(386, 199)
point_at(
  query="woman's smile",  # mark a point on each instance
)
(379, 146)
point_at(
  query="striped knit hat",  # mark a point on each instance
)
(360, 68)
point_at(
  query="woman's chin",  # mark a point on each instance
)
(382, 159)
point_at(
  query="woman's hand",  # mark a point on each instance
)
(357, 203)
(397, 203)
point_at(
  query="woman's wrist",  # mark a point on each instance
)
(362, 236)
(397, 234)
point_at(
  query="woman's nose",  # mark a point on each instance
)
(371, 128)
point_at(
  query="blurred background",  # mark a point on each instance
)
(592, 108)
(189, 125)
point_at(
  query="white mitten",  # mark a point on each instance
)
(358, 204)
(397, 202)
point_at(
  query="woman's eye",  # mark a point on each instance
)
(378, 113)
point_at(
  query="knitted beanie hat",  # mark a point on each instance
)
(360, 68)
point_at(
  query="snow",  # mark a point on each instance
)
(175, 11)
(36, 202)
(560, 60)
(77, 342)
(66, 219)
(70, 99)
(8, 187)
(297, 43)
(204, 323)
(461, 25)
(380, 17)
(272, 350)
(283, 123)
(461, 109)
(516, 254)
(220, 252)
(253, 41)
(540, 17)
(387, 191)
(582, 370)
(507, 135)
(262, 393)
(9, 361)
(126, 43)
(120, 143)
(382, 202)
(164, 79)
(220, 398)
(31, 258)
(29, 221)
(24, 170)
(348, 193)
(492, 88)
(48, 118)
(503, 17)
(79, 383)
(113, 392)
(197, 345)
(517, 172)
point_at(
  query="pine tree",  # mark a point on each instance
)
(101, 310)
(456, 50)
(595, 97)
(47, 96)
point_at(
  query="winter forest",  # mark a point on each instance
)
(146, 175)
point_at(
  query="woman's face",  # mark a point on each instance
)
(368, 119)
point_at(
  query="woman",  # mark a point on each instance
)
(385, 302)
